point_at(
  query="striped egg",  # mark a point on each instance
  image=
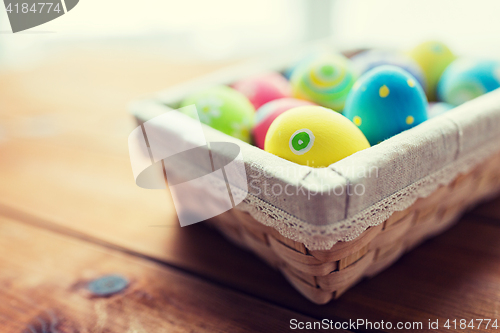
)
(466, 79)
(303, 61)
(325, 81)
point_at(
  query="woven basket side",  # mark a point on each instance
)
(323, 275)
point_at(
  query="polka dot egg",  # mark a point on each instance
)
(264, 88)
(467, 79)
(268, 112)
(224, 109)
(314, 136)
(384, 102)
(325, 81)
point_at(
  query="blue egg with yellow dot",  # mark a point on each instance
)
(465, 79)
(384, 102)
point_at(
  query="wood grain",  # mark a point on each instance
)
(490, 209)
(43, 283)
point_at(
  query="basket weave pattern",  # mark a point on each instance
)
(323, 275)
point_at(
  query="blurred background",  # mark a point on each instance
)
(225, 29)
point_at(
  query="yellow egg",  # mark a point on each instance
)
(313, 136)
(433, 57)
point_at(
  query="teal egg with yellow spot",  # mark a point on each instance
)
(224, 109)
(386, 101)
(325, 81)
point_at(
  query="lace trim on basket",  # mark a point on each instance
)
(324, 237)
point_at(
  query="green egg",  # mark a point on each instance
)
(224, 109)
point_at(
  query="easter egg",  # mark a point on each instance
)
(313, 136)
(264, 88)
(325, 81)
(224, 109)
(433, 57)
(384, 102)
(302, 62)
(437, 108)
(367, 60)
(466, 79)
(268, 112)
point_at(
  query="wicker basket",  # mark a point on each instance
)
(319, 270)
(323, 275)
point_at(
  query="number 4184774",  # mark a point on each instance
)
(472, 324)
(24, 8)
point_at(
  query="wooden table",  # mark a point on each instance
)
(70, 213)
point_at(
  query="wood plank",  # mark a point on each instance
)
(454, 275)
(197, 249)
(44, 278)
(490, 209)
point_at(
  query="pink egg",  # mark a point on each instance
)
(264, 88)
(268, 112)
